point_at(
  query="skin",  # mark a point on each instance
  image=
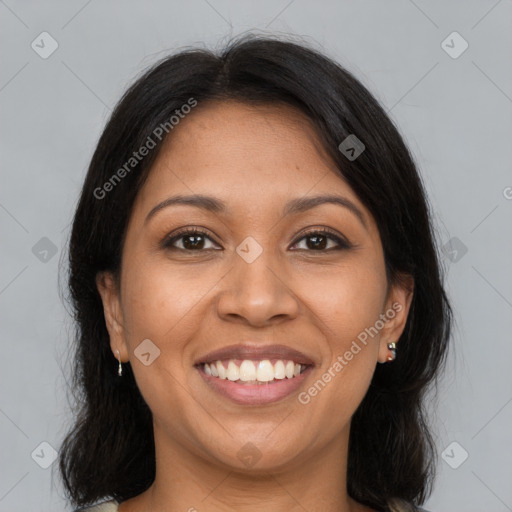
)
(255, 159)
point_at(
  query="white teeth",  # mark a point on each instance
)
(233, 372)
(254, 371)
(279, 370)
(221, 370)
(289, 370)
(265, 371)
(247, 371)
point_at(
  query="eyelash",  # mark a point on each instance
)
(342, 244)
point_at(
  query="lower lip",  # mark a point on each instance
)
(255, 394)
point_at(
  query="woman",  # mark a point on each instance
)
(258, 295)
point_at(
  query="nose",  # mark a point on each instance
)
(257, 293)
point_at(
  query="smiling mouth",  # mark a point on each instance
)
(253, 371)
(244, 388)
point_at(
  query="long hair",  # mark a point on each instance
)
(109, 451)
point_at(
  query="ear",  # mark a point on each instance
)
(109, 292)
(396, 311)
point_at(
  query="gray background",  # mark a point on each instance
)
(453, 112)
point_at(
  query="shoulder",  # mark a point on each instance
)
(413, 508)
(397, 505)
(104, 506)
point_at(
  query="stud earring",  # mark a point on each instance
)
(392, 348)
(120, 368)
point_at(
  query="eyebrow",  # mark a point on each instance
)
(299, 205)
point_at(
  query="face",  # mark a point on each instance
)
(257, 274)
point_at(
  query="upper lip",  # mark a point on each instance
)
(257, 352)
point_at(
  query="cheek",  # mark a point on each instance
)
(163, 303)
(348, 299)
(349, 303)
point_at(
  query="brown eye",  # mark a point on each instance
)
(190, 240)
(197, 240)
(317, 241)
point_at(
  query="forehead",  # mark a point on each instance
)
(247, 155)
